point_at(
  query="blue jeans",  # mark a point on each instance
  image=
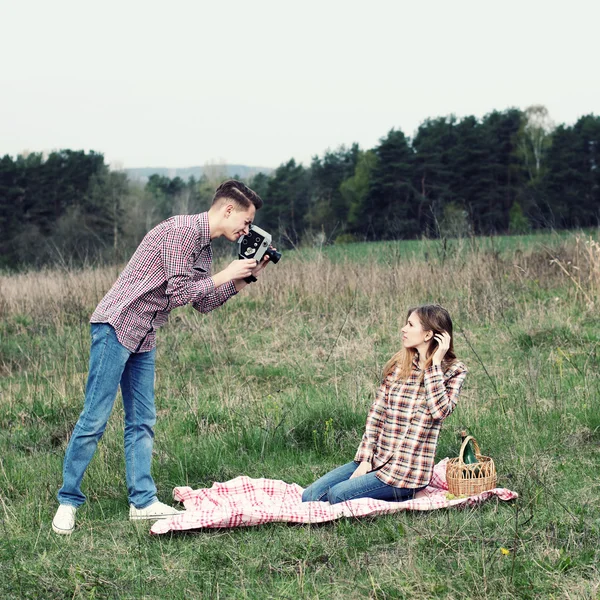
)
(336, 486)
(111, 365)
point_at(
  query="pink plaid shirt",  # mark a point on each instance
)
(170, 268)
(404, 423)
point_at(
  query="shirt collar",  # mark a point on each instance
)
(203, 229)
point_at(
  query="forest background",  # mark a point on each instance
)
(513, 171)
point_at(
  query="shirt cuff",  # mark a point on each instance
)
(363, 456)
(203, 288)
(228, 289)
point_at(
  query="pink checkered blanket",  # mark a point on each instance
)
(243, 502)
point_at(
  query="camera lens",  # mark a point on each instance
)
(273, 255)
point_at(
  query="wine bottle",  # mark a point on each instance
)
(469, 457)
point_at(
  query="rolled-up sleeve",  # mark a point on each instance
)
(374, 425)
(176, 254)
(442, 394)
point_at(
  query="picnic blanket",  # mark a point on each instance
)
(243, 502)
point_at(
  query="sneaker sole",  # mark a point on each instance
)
(152, 517)
(62, 531)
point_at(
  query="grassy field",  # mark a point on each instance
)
(277, 384)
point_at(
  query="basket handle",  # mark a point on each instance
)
(464, 445)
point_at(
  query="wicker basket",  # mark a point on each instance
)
(470, 479)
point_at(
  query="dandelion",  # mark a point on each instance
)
(505, 551)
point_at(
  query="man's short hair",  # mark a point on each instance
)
(239, 193)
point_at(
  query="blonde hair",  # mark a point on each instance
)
(434, 318)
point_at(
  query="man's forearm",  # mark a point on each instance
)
(220, 278)
(240, 284)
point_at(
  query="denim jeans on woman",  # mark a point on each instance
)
(111, 365)
(336, 486)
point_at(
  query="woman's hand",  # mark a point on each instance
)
(362, 469)
(443, 340)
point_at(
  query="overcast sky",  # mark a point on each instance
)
(183, 83)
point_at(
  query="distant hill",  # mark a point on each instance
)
(243, 171)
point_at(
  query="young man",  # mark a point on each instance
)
(170, 268)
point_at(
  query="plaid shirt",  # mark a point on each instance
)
(170, 268)
(404, 423)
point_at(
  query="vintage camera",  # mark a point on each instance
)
(256, 244)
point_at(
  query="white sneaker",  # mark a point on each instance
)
(64, 519)
(157, 510)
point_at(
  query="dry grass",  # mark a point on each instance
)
(477, 283)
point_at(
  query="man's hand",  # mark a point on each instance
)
(362, 469)
(237, 269)
(261, 265)
(240, 284)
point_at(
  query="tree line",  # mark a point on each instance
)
(512, 171)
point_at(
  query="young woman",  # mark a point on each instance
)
(420, 388)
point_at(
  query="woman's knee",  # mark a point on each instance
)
(335, 496)
(310, 494)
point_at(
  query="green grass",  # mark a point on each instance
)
(277, 384)
(389, 251)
